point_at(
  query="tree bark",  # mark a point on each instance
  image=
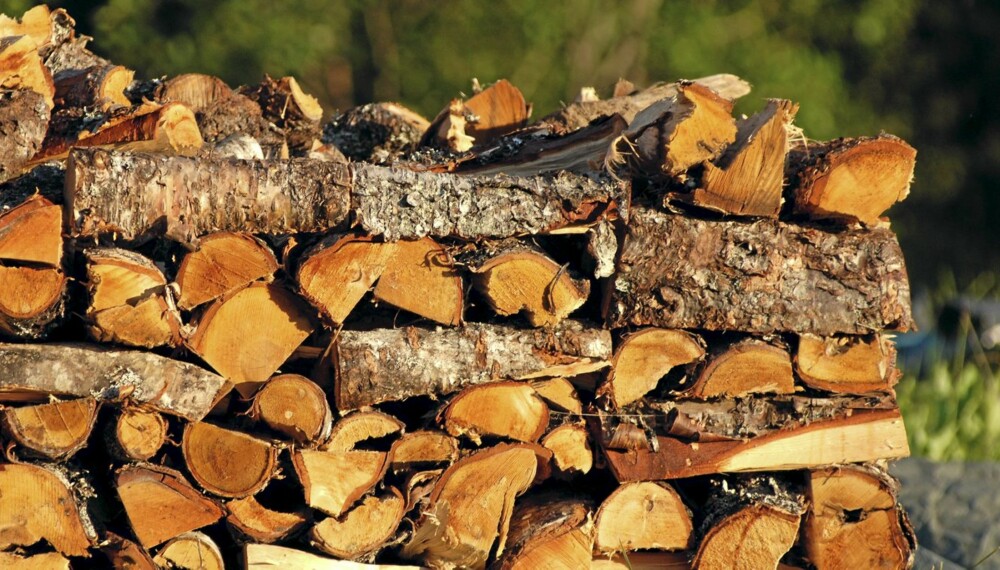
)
(24, 119)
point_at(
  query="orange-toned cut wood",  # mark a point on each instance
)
(335, 480)
(363, 530)
(846, 364)
(31, 298)
(229, 335)
(339, 270)
(424, 447)
(190, 550)
(748, 367)
(225, 462)
(420, 277)
(139, 433)
(161, 504)
(570, 446)
(56, 430)
(37, 503)
(559, 393)
(43, 561)
(36, 23)
(32, 232)
(223, 263)
(21, 67)
(260, 524)
(643, 516)
(643, 358)
(754, 537)
(295, 407)
(99, 87)
(196, 90)
(638, 560)
(549, 530)
(515, 412)
(126, 554)
(357, 427)
(495, 111)
(269, 557)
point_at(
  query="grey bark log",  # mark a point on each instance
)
(24, 118)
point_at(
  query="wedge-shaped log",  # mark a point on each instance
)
(420, 277)
(21, 67)
(644, 357)
(570, 447)
(295, 407)
(494, 111)
(248, 518)
(470, 508)
(170, 386)
(31, 232)
(560, 394)
(516, 412)
(223, 263)
(765, 276)
(36, 23)
(639, 560)
(24, 118)
(190, 550)
(267, 557)
(358, 427)
(138, 433)
(37, 503)
(227, 463)
(232, 343)
(336, 480)
(847, 364)
(335, 274)
(161, 504)
(855, 520)
(643, 516)
(31, 301)
(746, 367)
(363, 530)
(376, 132)
(56, 430)
(394, 364)
(423, 447)
(549, 530)
(142, 195)
(124, 553)
(854, 179)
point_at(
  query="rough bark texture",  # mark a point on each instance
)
(393, 364)
(376, 132)
(170, 386)
(766, 276)
(139, 195)
(400, 203)
(24, 117)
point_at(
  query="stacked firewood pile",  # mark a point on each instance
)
(636, 333)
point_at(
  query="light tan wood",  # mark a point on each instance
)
(268, 557)
(570, 446)
(420, 277)
(139, 433)
(643, 516)
(223, 263)
(559, 393)
(56, 430)
(494, 111)
(98, 87)
(295, 407)
(36, 23)
(31, 298)
(363, 530)
(37, 503)
(231, 343)
(847, 364)
(549, 530)
(643, 358)
(425, 447)
(21, 67)
(470, 508)
(335, 480)
(192, 550)
(357, 427)
(515, 412)
(643, 561)
(196, 90)
(752, 538)
(336, 273)
(225, 462)
(32, 232)
(747, 367)
(43, 561)
(260, 524)
(126, 554)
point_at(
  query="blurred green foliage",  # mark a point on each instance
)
(924, 70)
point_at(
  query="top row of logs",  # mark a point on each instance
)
(680, 141)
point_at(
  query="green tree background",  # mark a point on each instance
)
(924, 70)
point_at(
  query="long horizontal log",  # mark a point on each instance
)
(32, 371)
(394, 364)
(765, 276)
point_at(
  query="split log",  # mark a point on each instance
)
(471, 506)
(295, 407)
(43, 561)
(855, 520)
(268, 557)
(250, 519)
(141, 195)
(643, 358)
(761, 277)
(232, 344)
(420, 277)
(195, 90)
(495, 111)
(36, 23)
(570, 446)
(125, 554)
(190, 550)
(425, 447)
(24, 118)
(363, 530)
(517, 277)
(579, 115)
(672, 135)
(847, 364)
(56, 430)
(747, 367)
(38, 503)
(851, 179)
(36, 371)
(336, 273)
(128, 300)
(223, 263)
(515, 412)
(99, 87)
(560, 394)
(641, 516)
(399, 203)
(760, 434)
(21, 68)
(161, 504)
(285, 104)
(138, 433)
(358, 427)
(376, 132)
(548, 530)
(336, 480)
(394, 364)
(656, 560)
(31, 232)
(227, 463)
(31, 301)
(748, 178)
(419, 486)
(749, 526)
